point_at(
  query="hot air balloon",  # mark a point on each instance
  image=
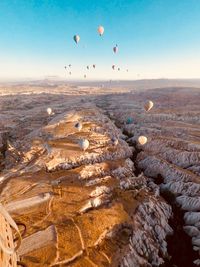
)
(142, 140)
(129, 120)
(65, 67)
(70, 65)
(78, 126)
(115, 141)
(84, 144)
(148, 105)
(113, 67)
(88, 67)
(94, 66)
(100, 30)
(49, 111)
(118, 69)
(76, 38)
(115, 49)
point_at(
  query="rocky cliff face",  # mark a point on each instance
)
(114, 204)
(171, 156)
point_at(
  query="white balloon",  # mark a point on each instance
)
(84, 144)
(100, 30)
(77, 38)
(49, 111)
(148, 105)
(142, 140)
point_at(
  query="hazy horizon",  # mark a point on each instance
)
(65, 79)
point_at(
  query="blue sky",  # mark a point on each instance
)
(156, 38)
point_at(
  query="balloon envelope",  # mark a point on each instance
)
(113, 67)
(78, 126)
(142, 140)
(84, 144)
(129, 120)
(148, 105)
(100, 30)
(115, 49)
(76, 38)
(94, 66)
(49, 111)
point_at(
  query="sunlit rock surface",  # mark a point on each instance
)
(104, 206)
(171, 157)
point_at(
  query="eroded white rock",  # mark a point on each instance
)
(189, 203)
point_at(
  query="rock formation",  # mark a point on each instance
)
(109, 205)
